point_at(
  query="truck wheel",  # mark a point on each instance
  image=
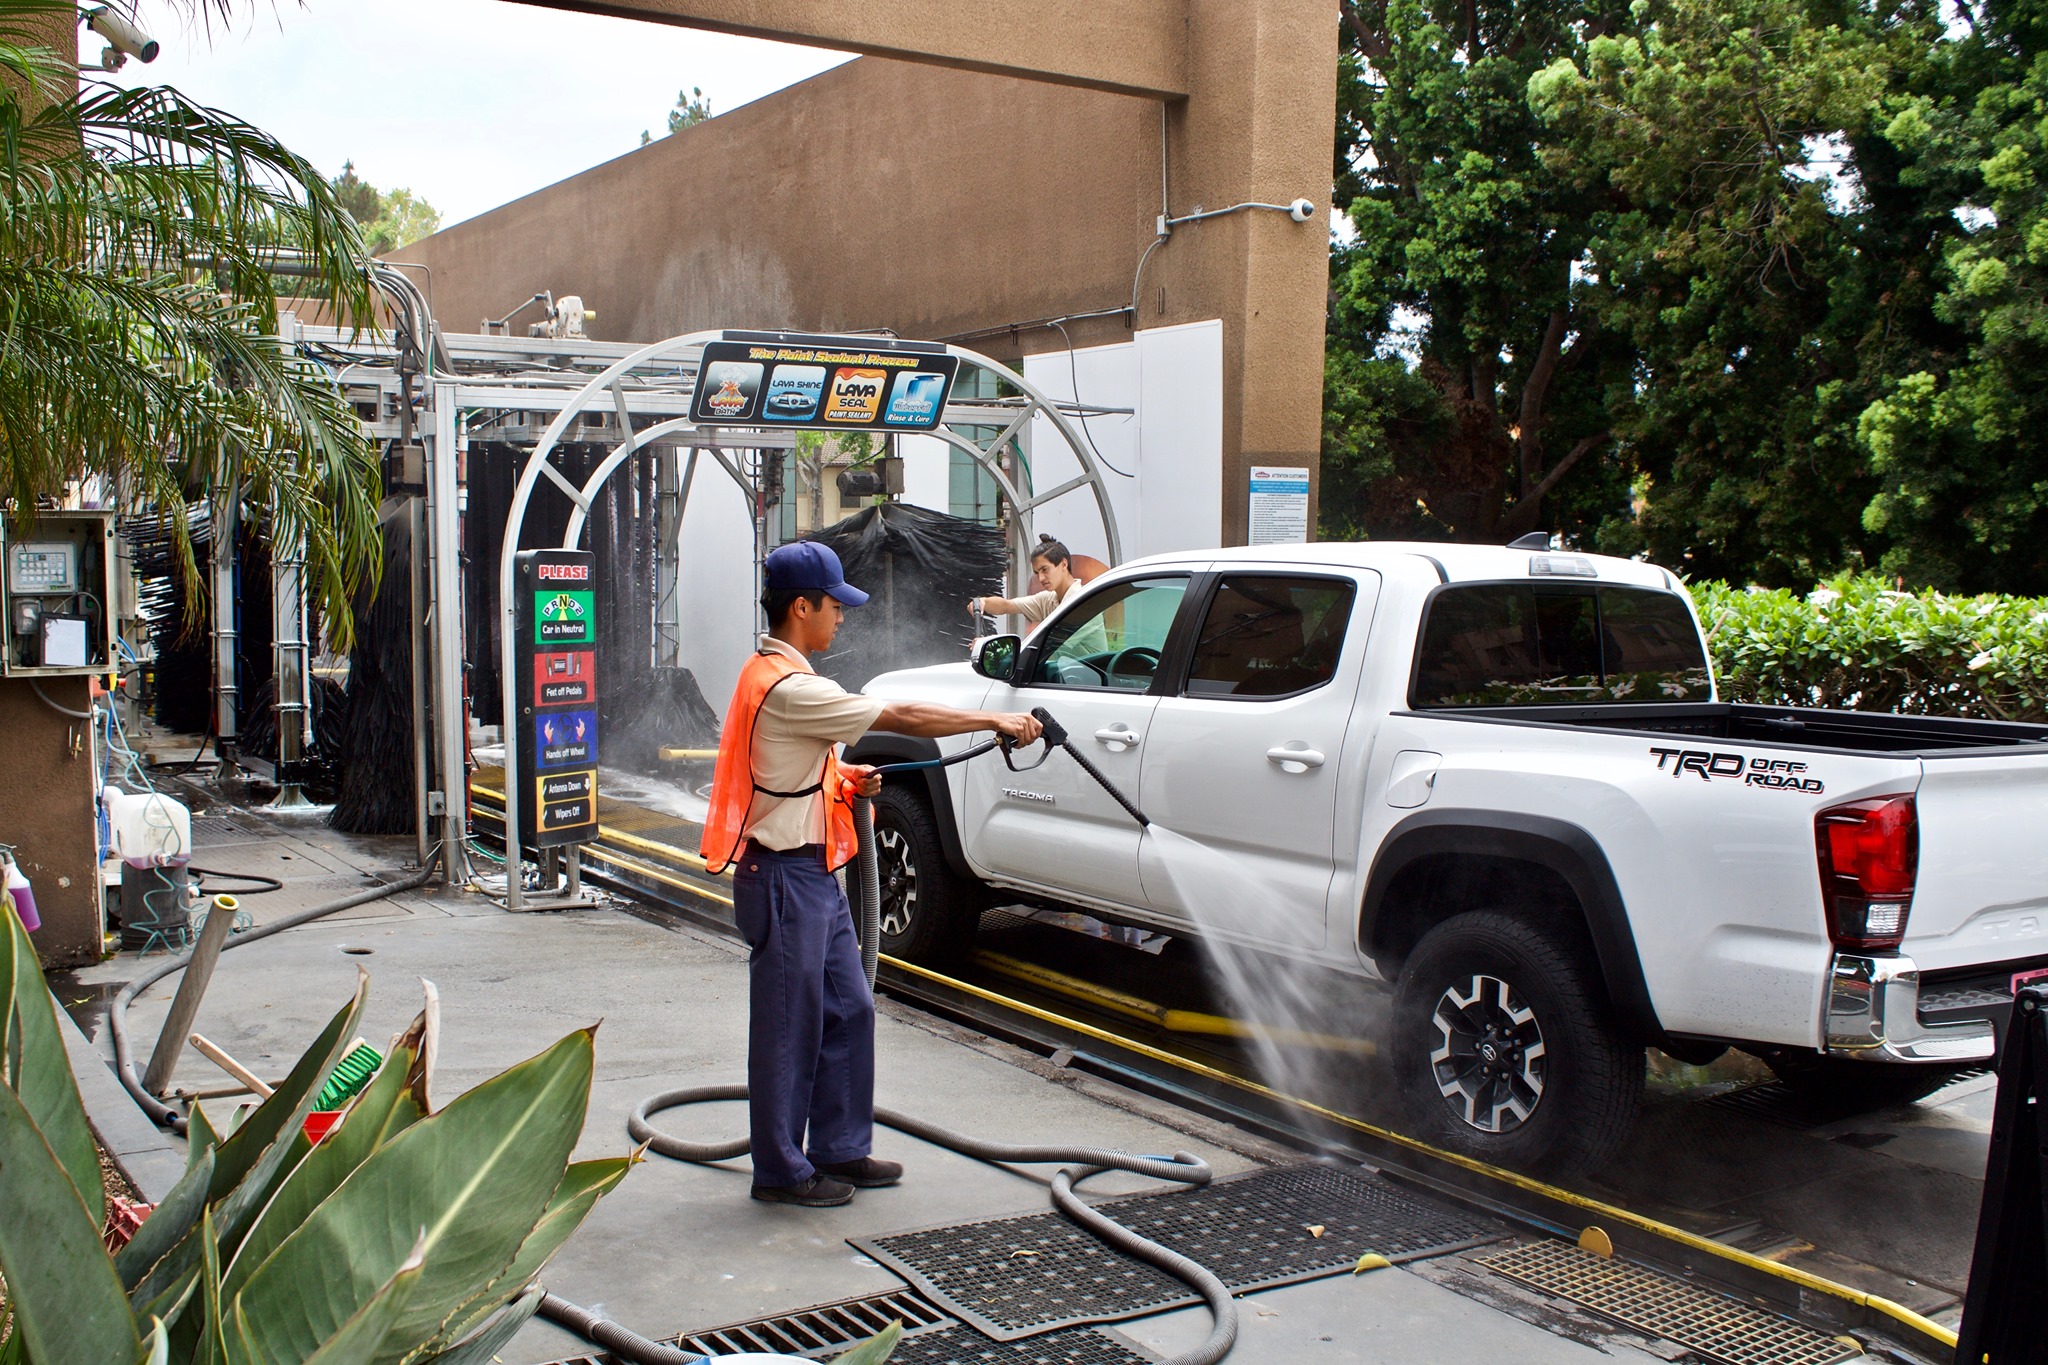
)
(1505, 1051)
(929, 911)
(1846, 1086)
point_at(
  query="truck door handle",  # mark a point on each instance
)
(1296, 757)
(1119, 736)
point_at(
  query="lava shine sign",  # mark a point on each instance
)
(788, 379)
(556, 788)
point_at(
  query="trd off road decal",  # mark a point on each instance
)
(1778, 774)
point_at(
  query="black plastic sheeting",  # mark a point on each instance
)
(918, 567)
(374, 794)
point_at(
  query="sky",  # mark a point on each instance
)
(469, 103)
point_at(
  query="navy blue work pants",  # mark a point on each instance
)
(811, 1020)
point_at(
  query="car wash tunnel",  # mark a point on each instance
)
(573, 546)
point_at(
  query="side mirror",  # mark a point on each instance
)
(995, 656)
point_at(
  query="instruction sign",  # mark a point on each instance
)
(789, 379)
(1279, 505)
(555, 792)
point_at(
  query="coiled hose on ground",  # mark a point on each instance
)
(1183, 1167)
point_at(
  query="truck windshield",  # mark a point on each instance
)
(1524, 644)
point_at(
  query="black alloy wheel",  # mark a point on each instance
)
(897, 864)
(1489, 1062)
(1505, 1047)
(929, 912)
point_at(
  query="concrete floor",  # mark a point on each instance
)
(679, 1247)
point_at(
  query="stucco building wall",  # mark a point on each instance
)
(46, 813)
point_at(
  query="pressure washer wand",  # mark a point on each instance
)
(1056, 733)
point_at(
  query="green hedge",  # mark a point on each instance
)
(1857, 644)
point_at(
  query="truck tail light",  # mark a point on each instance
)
(1869, 853)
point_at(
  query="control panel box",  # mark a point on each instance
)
(56, 591)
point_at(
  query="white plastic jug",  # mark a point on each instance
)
(148, 829)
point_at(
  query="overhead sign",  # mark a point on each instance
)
(555, 792)
(787, 379)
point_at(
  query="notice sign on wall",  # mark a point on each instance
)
(787, 379)
(555, 793)
(1279, 505)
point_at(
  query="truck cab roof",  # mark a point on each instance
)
(1447, 563)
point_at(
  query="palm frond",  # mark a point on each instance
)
(139, 231)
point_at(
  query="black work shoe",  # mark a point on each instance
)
(867, 1173)
(819, 1192)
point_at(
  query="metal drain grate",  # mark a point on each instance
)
(1713, 1325)
(830, 1327)
(960, 1345)
(1017, 1277)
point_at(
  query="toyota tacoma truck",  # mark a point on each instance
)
(1500, 779)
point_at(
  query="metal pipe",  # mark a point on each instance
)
(213, 936)
(451, 716)
(422, 759)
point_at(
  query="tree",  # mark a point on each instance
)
(388, 219)
(1959, 441)
(1460, 337)
(137, 232)
(1802, 247)
(1763, 268)
(691, 109)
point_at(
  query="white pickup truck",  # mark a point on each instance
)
(1501, 779)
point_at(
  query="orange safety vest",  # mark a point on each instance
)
(733, 789)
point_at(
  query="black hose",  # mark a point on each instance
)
(867, 868)
(608, 1334)
(1184, 1167)
(264, 885)
(117, 1015)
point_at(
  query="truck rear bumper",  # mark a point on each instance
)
(1874, 1015)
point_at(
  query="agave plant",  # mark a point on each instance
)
(407, 1235)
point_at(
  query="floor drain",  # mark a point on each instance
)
(1713, 1325)
(831, 1327)
(1018, 1277)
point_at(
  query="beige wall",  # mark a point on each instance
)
(940, 201)
(46, 812)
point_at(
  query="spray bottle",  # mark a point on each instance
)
(24, 897)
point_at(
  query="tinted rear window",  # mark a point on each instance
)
(1519, 644)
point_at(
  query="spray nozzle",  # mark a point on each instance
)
(1055, 733)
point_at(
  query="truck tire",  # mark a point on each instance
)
(1845, 1086)
(1505, 1050)
(929, 911)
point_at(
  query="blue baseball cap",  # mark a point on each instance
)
(807, 566)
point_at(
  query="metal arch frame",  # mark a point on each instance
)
(539, 465)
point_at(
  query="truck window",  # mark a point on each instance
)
(1519, 644)
(1113, 638)
(1265, 636)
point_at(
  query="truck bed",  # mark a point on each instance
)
(1779, 726)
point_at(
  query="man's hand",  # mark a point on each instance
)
(865, 779)
(1021, 729)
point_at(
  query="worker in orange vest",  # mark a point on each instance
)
(782, 817)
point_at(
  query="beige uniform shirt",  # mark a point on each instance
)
(803, 716)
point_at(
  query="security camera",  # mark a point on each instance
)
(1301, 210)
(127, 40)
